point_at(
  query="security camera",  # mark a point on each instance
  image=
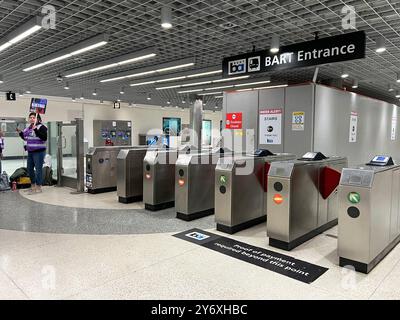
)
(59, 78)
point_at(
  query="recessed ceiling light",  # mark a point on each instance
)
(344, 75)
(275, 44)
(79, 48)
(166, 17)
(380, 45)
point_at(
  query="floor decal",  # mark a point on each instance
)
(273, 261)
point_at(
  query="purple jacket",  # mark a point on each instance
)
(34, 143)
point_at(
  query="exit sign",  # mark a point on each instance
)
(11, 96)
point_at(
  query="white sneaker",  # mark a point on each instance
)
(39, 190)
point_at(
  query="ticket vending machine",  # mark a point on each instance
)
(369, 213)
(302, 198)
(240, 185)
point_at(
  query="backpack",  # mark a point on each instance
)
(19, 173)
(47, 176)
(4, 182)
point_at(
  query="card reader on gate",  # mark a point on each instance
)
(381, 161)
(263, 153)
(313, 156)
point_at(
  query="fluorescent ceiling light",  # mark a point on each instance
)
(176, 67)
(231, 79)
(177, 78)
(170, 79)
(142, 83)
(112, 63)
(192, 84)
(261, 88)
(152, 70)
(22, 32)
(195, 84)
(252, 84)
(84, 46)
(205, 74)
(170, 87)
(217, 88)
(190, 91)
(209, 93)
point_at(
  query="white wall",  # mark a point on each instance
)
(143, 117)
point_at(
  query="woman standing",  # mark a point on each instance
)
(35, 136)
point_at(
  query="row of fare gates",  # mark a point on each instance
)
(301, 197)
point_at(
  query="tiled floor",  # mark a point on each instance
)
(160, 266)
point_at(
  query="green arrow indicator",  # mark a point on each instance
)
(223, 179)
(354, 197)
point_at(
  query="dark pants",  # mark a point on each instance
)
(35, 166)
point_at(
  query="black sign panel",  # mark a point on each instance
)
(349, 46)
(273, 261)
(11, 96)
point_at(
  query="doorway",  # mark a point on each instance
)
(66, 147)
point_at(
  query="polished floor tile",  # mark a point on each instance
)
(204, 274)
(32, 216)
(67, 197)
(9, 290)
(82, 253)
(61, 269)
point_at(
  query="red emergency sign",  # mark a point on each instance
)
(234, 120)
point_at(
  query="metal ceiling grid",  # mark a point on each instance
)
(206, 29)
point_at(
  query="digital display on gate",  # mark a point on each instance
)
(382, 159)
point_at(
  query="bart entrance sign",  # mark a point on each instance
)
(344, 47)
